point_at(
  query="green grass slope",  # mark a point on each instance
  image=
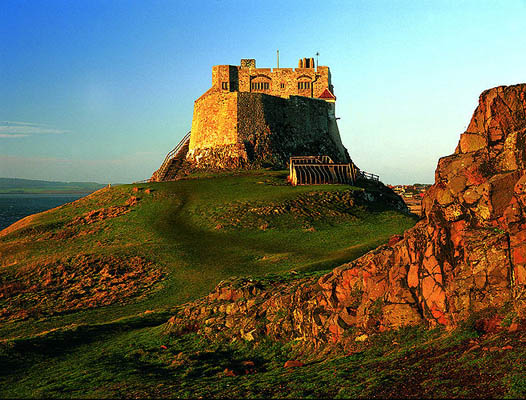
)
(122, 251)
(134, 358)
(82, 285)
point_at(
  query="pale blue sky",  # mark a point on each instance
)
(102, 90)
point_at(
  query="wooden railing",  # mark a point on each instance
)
(368, 175)
(305, 160)
(170, 156)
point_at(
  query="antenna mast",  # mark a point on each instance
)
(278, 57)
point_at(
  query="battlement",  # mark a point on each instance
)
(306, 80)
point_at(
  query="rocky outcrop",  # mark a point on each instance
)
(466, 255)
(231, 156)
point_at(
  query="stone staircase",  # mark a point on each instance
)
(172, 162)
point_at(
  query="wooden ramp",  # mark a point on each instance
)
(318, 170)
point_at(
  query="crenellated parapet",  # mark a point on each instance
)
(307, 80)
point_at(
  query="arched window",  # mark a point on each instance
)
(304, 85)
(260, 83)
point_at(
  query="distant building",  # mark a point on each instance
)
(412, 195)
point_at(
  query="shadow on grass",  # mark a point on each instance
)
(206, 248)
(234, 251)
(344, 257)
(60, 341)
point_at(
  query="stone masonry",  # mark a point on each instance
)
(306, 80)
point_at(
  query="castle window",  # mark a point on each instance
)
(224, 85)
(282, 85)
(259, 86)
(303, 85)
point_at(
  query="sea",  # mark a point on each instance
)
(17, 206)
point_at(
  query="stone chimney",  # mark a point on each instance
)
(248, 63)
(306, 63)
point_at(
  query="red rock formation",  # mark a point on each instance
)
(467, 254)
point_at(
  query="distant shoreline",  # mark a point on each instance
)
(47, 191)
(13, 186)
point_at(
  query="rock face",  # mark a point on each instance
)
(466, 255)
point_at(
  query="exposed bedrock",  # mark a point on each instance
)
(468, 253)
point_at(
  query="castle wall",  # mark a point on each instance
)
(225, 74)
(237, 129)
(214, 122)
(334, 131)
(274, 129)
(281, 82)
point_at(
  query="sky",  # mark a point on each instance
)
(101, 90)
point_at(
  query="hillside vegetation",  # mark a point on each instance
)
(87, 288)
(127, 249)
(103, 271)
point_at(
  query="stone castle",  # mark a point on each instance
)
(258, 117)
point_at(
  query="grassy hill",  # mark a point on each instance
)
(86, 287)
(17, 185)
(174, 242)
